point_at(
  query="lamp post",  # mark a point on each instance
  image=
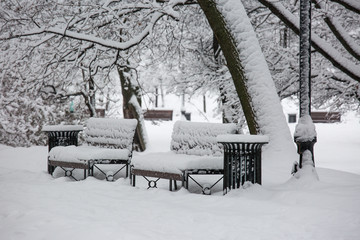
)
(305, 135)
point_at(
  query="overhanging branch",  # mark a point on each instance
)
(325, 49)
(349, 4)
(339, 32)
(85, 37)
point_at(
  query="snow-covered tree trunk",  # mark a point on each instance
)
(132, 107)
(251, 76)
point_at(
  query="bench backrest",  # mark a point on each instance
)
(196, 138)
(326, 117)
(110, 133)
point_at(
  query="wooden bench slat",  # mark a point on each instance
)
(165, 115)
(155, 174)
(325, 117)
(69, 164)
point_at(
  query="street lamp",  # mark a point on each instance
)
(305, 134)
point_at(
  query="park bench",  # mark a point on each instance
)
(107, 141)
(194, 151)
(319, 117)
(326, 117)
(157, 114)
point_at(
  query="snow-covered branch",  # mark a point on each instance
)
(353, 5)
(324, 48)
(83, 26)
(349, 44)
(89, 38)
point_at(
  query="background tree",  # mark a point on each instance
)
(56, 40)
(60, 48)
(335, 41)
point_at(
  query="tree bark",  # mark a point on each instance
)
(228, 47)
(251, 76)
(131, 105)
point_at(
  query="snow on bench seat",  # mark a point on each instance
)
(86, 153)
(172, 162)
(107, 141)
(193, 147)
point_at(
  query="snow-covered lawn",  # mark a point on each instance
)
(34, 205)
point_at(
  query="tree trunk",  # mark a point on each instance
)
(228, 47)
(156, 96)
(227, 117)
(162, 93)
(89, 97)
(251, 76)
(204, 103)
(132, 107)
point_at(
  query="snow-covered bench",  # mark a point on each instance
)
(107, 141)
(194, 150)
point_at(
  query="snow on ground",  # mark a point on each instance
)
(34, 205)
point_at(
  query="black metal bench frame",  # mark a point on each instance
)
(149, 175)
(184, 177)
(204, 188)
(70, 137)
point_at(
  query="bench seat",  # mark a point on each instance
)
(171, 162)
(85, 153)
(194, 151)
(107, 141)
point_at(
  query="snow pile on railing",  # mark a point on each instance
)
(115, 133)
(199, 138)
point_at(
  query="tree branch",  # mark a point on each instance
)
(325, 49)
(339, 32)
(85, 37)
(351, 5)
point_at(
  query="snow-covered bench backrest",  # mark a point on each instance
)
(196, 138)
(110, 133)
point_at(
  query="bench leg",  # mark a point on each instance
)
(171, 186)
(91, 168)
(127, 170)
(133, 180)
(50, 169)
